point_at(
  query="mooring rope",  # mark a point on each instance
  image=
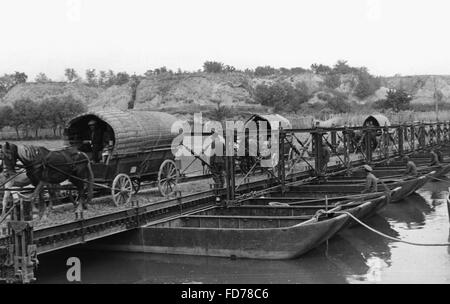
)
(441, 180)
(387, 236)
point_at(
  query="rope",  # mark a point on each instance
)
(11, 178)
(441, 180)
(387, 236)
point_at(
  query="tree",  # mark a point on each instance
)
(122, 78)
(298, 70)
(320, 69)
(282, 96)
(19, 77)
(332, 81)
(102, 78)
(38, 115)
(161, 70)
(301, 95)
(5, 116)
(52, 105)
(23, 115)
(71, 75)
(396, 100)
(229, 69)
(341, 67)
(110, 78)
(91, 77)
(367, 84)
(67, 109)
(148, 73)
(42, 78)
(8, 81)
(338, 102)
(262, 71)
(213, 67)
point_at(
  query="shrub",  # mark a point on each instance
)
(213, 67)
(367, 84)
(320, 69)
(282, 95)
(332, 81)
(262, 71)
(397, 100)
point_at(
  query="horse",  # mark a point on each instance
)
(45, 167)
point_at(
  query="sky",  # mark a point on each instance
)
(404, 37)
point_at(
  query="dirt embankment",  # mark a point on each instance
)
(188, 92)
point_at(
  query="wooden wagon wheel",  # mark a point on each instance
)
(136, 183)
(122, 189)
(167, 177)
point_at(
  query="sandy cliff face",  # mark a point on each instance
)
(422, 88)
(186, 91)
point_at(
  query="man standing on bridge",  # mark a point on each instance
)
(217, 159)
(326, 154)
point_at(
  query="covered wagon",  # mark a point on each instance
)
(253, 128)
(134, 147)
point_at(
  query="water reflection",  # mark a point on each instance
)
(412, 211)
(356, 255)
(436, 192)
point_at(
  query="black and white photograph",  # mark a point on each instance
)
(224, 147)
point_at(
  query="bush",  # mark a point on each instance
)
(262, 71)
(367, 85)
(320, 69)
(339, 104)
(332, 81)
(397, 100)
(341, 67)
(213, 67)
(282, 96)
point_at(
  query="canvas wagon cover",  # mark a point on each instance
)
(378, 120)
(273, 119)
(134, 131)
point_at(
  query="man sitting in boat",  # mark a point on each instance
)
(440, 156)
(411, 168)
(371, 181)
(434, 158)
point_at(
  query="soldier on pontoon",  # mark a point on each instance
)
(371, 181)
(411, 168)
(434, 158)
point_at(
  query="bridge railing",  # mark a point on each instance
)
(351, 146)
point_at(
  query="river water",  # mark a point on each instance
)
(356, 255)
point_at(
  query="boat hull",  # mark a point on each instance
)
(273, 243)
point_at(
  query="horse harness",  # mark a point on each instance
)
(68, 157)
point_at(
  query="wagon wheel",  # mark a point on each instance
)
(167, 177)
(122, 189)
(136, 183)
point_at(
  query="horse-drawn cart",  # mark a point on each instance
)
(136, 148)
